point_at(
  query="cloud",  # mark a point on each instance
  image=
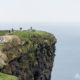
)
(77, 76)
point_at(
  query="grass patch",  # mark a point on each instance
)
(26, 34)
(7, 77)
(3, 32)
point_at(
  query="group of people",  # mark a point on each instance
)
(12, 30)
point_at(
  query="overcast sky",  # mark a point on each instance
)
(39, 11)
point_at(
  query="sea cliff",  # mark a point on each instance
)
(27, 54)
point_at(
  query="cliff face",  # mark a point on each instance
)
(31, 58)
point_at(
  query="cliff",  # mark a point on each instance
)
(28, 55)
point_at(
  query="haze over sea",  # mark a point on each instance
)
(67, 60)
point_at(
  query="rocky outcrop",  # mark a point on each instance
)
(32, 59)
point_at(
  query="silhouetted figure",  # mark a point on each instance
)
(9, 31)
(31, 28)
(20, 28)
(12, 30)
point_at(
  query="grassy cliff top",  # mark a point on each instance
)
(7, 77)
(27, 34)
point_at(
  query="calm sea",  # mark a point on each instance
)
(67, 60)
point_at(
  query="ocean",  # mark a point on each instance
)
(67, 60)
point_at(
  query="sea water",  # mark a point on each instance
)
(67, 60)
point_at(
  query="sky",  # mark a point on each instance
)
(13, 11)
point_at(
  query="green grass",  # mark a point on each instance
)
(7, 77)
(3, 32)
(26, 35)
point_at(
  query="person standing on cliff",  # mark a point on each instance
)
(12, 30)
(20, 28)
(31, 28)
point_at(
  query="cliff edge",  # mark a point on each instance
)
(27, 54)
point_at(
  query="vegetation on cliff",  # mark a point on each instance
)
(31, 57)
(7, 77)
(3, 32)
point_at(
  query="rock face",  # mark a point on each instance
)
(32, 59)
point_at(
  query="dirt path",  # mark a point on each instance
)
(7, 38)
